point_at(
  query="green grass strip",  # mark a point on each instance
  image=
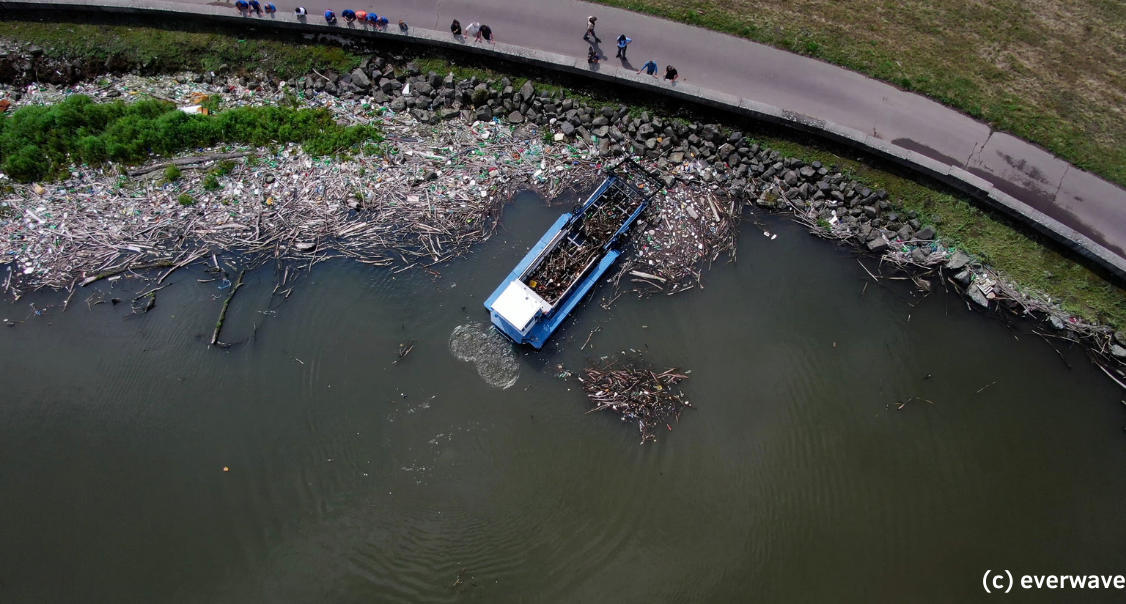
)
(39, 142)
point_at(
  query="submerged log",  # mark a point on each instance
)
(223, 313)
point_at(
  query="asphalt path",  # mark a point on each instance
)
(1080, 200)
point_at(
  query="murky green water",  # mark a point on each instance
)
(353, 479)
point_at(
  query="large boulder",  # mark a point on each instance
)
(878, 245)
(978, 297)
(360, 79)
(958, 261)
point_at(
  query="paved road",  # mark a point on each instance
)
(735, 66)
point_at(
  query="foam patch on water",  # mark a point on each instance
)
(477, 343)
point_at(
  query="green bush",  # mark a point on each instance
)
(172, 173)
(211, 182)
(39, 141)
(185, 200)
(224, 168)
(28, 163)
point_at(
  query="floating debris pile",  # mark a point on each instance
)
(636, 394)
(683, 229)
(433, 192)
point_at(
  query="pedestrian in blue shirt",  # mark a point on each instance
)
(242, 6)
(256, 7)
(270, 9)
(330, 17)
(649, 68)
(623, 41)
(349, 15)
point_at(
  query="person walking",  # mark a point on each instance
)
(256, 7)
(670, 73)
(403, 26)
(300, 11)
(330, 17)
(471, 31)
(623, 41)
(649, 68)
(241, 6)
(362, 16)
(455, 28)
(592, 56)
(270, 9)
(348, 14)
(485, 33)
(590, 30)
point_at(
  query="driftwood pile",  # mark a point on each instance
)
(438, 190)
(680, 232)
(637, 394)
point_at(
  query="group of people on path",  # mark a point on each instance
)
(244, 6)
(365, 18)
(593, 56)
(478, 31)
(351, 16)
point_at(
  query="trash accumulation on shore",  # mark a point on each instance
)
(455, 152)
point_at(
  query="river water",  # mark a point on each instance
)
(355, 479)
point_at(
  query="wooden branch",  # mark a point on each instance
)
(223, 313)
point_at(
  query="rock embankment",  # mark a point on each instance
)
(696, 161)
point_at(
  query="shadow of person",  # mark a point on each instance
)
(301, 18)
(626, 64)
(460, 38)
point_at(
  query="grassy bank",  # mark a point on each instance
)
(1008, 247)
(1052, 71)
(41, 141)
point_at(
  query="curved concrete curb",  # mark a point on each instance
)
(952, 175)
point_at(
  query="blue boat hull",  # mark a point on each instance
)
(536, 318)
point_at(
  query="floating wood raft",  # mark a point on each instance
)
(555, 275)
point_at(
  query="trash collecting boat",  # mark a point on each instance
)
(570, 258)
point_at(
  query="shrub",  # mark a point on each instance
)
(224, 168)
(211, 182)
(27, 164)
(480, 97)
(37, 141)
(172, 173)
(185, 200)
